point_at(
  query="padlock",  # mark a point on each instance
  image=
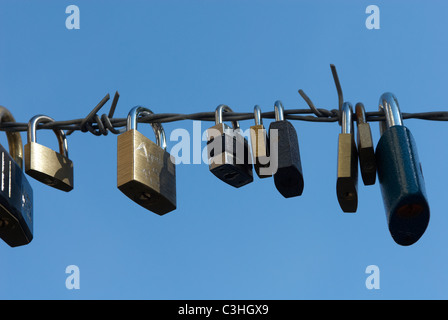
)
(366, 150)
(260, 146)
(347, 180)
(146, 172)
(16, 195)
(400, 176)
(288, 177)
(228, 151)
(44, 164)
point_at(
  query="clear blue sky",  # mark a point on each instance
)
(222, 242)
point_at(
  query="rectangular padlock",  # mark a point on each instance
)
(229, 153)
(46, 165)
(400, 177)
(260, 146)
(146, 172)
(347, 179)
(288, 177)
(16, 194)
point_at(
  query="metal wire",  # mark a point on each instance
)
(102, 125)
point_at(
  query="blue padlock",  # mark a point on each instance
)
(400, 176)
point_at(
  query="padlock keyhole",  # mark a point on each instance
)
(348, 195)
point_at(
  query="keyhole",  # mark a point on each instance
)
(3, 223)
(230, 176)
(348, 195)
(145, 196)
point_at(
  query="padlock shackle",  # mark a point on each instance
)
(347, 118)
(389, 105)
(278, 110)
(257, 115)
(14, 138)
(132, 120)
(360, 113)
(60, 134)
(218, 115)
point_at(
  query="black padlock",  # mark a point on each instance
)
(228, 151)
(288, 177)
(16, 195)
(400, 176)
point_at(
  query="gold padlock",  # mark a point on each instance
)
(260, 146)
(44, 164)
(146, 172)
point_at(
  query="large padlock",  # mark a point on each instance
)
(260, 146)
(288, 177)
(16, 195)
(44, 164)
(228, 151)
(400, 176)
(347, 181)
(146, 172)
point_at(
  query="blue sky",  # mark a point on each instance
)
(222, 242)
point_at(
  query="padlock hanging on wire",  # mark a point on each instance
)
(146, 172)
(16, 194)
(400, 176)
(347, 170)
(228, 151)
(44, 164)
(288, 178)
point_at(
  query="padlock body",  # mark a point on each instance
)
(260, 151)
(366, 151)
(16, 203)
(229, 156)
(402, 185)
(146, 173)
(347, 180)
(288, 177)
(48, 166)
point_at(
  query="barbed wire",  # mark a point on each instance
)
(102, 125)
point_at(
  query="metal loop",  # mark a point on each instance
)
(131, 124)
(14, 138)
(389, 105)
(257, 115)
(347, 120)
(360, 113)
(278, 109)
(218, 115)
(60, 134)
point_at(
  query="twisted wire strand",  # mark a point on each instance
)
(102, 125)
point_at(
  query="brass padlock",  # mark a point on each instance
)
(16, 194)
(44, 164)
(347, 181)
(146, 172)
(260, 146)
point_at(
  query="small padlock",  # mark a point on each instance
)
(16, 195)
(366, 150)
(228, 151)
(44, 164)
(400, 176)
(347, 181)
(260, 146)
(146, 172)
(288, 177)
